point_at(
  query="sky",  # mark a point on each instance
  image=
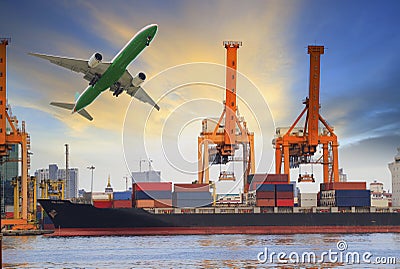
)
(185, 71)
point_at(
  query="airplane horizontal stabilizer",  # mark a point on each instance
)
(85, 114)
(68, 106)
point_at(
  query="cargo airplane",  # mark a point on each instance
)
(107, 75)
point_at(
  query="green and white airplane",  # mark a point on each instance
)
(108, 75)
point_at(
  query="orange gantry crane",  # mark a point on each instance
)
(220, 139)
(11, 134)
(295, 146)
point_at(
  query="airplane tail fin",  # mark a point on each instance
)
(70, 106)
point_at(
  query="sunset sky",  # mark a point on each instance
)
(359, 95)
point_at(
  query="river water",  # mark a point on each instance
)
(204, 251)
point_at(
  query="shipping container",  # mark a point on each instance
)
(103, 203)
(163, 203)
(152, 195)
(9, 215)
(284, 195)
(152, 186)
(353, 201)
(266, 187)
(191, 187)
(353, 193)
(192, 203)
(100, 196)
(122, 195)
(308, 202)
(265, 195)
(153, 203)
(284, 187)
(191, 195)
(285, 202)
(308, 195)
(267, 178)
(122, 203)
(343, 186)
(265, 202)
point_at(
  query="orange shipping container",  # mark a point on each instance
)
(154, 203)
(152, 186)
(265, 202)
(122, 203)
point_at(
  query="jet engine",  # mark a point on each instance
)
(138, 79)
(95, 60)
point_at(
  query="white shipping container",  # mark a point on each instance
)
(308, 202)
(307, 196)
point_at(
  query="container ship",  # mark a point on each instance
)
(163, 209)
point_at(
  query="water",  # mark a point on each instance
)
(205, 251)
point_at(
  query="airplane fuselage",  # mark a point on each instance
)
(118, 66)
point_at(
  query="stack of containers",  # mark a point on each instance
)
(265, 195)
(258, 179)
(307, 199)
(284, 195)
(191, 195)
(152, 194)
(102, 200)
(122, 199)
(345, 194)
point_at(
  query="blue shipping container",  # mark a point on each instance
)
(192, 195)
(284, 188)
(122, 195)
(192, 203)
(353, 201)
(265, 187)
(353, 193)
(152, 195)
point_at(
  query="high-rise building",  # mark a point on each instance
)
(54, 173)
(394, 168)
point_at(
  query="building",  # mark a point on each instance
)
(394, 168)
(54, 173)
(147, 176)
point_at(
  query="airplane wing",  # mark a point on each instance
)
(76, 65)
(137, 92)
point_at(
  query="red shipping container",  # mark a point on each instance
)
(265, 195)
(277, 178)
(122, 203)
(265, 202)
(285, 202)
(152, 186)
(343, 186)
(191, 187)
(103, 204)
(284, 195)
(9, 215)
